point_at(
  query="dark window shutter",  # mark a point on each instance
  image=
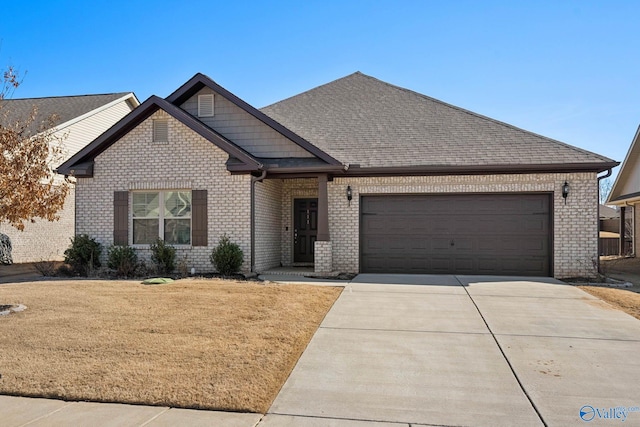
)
(121, 218)
(199, 222)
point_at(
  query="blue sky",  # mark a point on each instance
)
(569, 70)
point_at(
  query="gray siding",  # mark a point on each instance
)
(244, 129)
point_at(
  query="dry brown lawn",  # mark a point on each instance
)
(207, 344)
(627, 301)
(622, 268)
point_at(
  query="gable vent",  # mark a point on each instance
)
(161, 130)
(205, 105)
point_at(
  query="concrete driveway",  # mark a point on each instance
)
(465, 351)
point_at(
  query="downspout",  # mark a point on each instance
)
(254, 179)
(607, 175)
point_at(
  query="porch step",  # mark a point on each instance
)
(290, 271)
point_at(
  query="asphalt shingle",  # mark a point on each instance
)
(65, 108)
(361, 120)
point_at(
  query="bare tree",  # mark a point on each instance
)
(29, 188)
(605, 188)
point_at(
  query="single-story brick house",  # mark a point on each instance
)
(79, 120)
(625, 192)
(356, 175)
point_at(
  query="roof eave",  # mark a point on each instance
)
(625, 199)
(307, 169)
(141, 113)
(480, 169)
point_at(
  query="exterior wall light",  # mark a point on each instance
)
(565, 191)
(349, 194)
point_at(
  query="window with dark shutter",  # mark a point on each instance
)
(162, 214)
(199, 222)
(121, 218)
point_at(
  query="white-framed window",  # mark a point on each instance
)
(160, 130)
(206, 105)
(161, 214)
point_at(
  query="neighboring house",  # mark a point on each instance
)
(356, 175)
(626, 190)
(610, 226)
(81, 119)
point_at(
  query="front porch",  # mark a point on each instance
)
(292, 225)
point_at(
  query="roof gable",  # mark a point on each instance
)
(80, 164)
(244, 129)
(361, 120)
(627, 184)
(200, 81)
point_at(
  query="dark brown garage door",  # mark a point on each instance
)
(498, 234)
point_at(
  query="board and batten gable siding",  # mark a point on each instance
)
(187, 161)
(243, 129)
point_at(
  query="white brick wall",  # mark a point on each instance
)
(268, 208)
(188, 161)
(323, 257)
(191, 162)
(574, 224)
(43, 240)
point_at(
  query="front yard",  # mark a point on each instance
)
(625, 299)
(209, 344)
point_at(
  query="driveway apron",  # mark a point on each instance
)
(462, 351)
(577, 356)
(407, 354)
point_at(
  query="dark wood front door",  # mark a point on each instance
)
(305, 229)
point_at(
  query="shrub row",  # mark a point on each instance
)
(83, 256)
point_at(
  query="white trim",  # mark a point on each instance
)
(161, 217)
(621, 177)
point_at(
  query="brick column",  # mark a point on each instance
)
(323, 257)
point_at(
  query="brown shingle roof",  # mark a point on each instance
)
(64, 107)
(361, 120)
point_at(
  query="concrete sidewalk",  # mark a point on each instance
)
(23, 411)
